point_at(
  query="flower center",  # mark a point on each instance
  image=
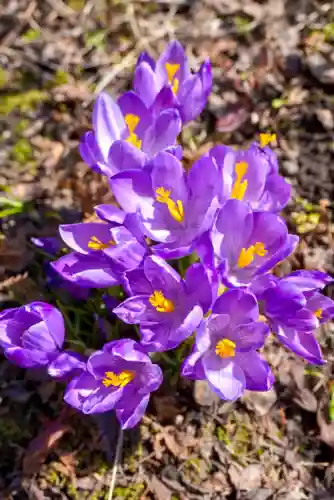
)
(266, 139)
(225, 348)
(159, 301)
(318, 313)
(171, 72)
(96, 244)
(240, 186)
(120, 380)
(132, 122)
(247, 255)
(175, 208)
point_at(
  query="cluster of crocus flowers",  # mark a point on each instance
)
(221, 217)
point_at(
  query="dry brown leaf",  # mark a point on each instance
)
(160, 491)
(42, 444)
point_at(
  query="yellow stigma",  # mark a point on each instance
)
(171, 72)
(247, 255)
(159, 301)
(120, 380)
(225, 348)
(240, 186)
(96, 244)
(318, 313)
(221, 289)
(266, 139)
(175, 208)
(132, 122)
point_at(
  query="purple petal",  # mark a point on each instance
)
(308, 280)
(52, 319)
(256, 370)
(131, 104)
(163, 132)
(192, 366)
(27, 358)
(132, 189)
(50, 245)
(128, 350)
(134, 310)
(79, 388)
(91, 154)
(173, 54)
(124, 156)
(65, 364)
(101, 400)
(129, 417)
(225, 376)
(277, 193)
(251, 336)
(234, 227)
(78, 236)
(144, 83)
(161, 275)
(199, 286)
(145, 57)
(192, 98)
(187, 327)
(283, 251)
(301, 343)
(319, 303)
(165, 99)
(136, 283)
(108, 123)
(240, 305)
(110, 213)
(87, 271)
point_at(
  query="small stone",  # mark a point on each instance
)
(203, 394)
(326, 119)
(290, 167)
(260, 402)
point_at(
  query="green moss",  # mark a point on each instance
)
(3, 78)
(21, 126)
(328, 31)
(61, 77)
(95, 39)
(22, 151)
(279, 103)
(76, 5)
(26, 101)
(30, 35)
(222, 435)
(133, 492)
(242, 24)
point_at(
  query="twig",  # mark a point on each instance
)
(116, 462)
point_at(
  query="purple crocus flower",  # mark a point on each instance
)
(252, 176)
(169, 82)
(294, 308)
(225, 350)
(102, 253)
(32, 335)
(167, 308)
(126, 135)
(173, 207)
(244, 244)
(119, 377)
